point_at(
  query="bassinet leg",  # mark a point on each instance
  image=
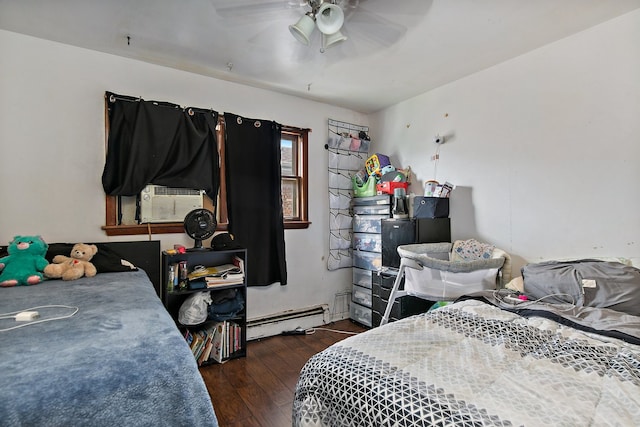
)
(395, 293)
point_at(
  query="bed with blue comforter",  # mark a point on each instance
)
(112, 356)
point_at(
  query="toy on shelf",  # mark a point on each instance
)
(390, 181)
(376, 163)
(388, 187)
(364, 189)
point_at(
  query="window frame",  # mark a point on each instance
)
(112, 228)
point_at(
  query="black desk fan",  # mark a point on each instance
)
(200, 224)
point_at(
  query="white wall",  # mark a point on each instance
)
(544, 148)
(52, 135)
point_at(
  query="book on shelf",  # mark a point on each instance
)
(213, 282)
(188, 337)
(208, 345)
(197, 344)
(233, 270)
(216, 341)
(231, 274)
(214, 271)
(238, 262)
(217, 352)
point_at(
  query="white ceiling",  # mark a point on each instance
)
(396, 48)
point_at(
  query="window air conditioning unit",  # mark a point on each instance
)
(166, 204)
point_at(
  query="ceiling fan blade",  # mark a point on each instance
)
(415, 8)
(373, 28)
(281, 42)
(231, 9)
(348, 4)
(381, 23)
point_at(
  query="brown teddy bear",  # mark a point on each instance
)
(74, 267)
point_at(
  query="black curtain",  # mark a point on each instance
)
(254, 199)
(159, 143)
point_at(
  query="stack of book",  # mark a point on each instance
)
(220, 275)
(215, 342)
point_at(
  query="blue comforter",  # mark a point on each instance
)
(119, 361)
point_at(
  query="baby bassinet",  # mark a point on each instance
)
(436, 272)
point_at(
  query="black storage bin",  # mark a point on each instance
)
(433, 230)
(396, 232)
(431, 207)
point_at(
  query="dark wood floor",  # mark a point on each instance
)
(257, 390)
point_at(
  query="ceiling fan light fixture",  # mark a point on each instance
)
(329, 18)
(303, 28)
(329, 40)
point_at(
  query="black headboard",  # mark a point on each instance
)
(144, 254)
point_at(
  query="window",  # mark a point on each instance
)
(293, 149)
(121, 212)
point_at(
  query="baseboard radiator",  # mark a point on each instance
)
(274, 324)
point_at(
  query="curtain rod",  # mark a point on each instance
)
(113, 98)
(190, 110)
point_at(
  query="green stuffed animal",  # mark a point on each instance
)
(25, 263)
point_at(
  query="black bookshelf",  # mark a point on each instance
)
(173, 297)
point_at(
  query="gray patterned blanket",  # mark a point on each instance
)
(471, 364)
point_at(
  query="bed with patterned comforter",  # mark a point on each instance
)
(474, 363)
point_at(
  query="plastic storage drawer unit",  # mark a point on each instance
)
(368, 223)
(367, 242)
(360, 314)
(361, 295)
(372, 210)
(367, 260)
(362, 277)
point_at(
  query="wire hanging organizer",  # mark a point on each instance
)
(347, 148)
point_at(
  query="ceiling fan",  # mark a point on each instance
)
(380, 23)
(328, 16)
